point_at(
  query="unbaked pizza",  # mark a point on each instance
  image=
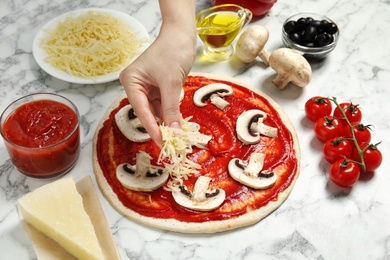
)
(234, 160)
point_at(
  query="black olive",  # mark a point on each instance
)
(330, 28)
(290, 27)
(302, 32)
(316, 24)
(310, 34)
(301, 22)
(295, 37)
(323, 39)
(324, 23)
(309, 20)
(308, 44)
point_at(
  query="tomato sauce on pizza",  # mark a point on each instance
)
(113, 148)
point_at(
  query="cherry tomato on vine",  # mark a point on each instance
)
(371, 155)
(336, 149)
(352, 112)
(344, 173)
(362, 133)
(317, 107)
(328, 127)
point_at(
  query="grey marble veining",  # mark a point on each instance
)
(317, 221)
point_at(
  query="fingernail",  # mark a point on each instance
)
(174, 125)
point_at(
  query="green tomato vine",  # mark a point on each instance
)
(354, 140)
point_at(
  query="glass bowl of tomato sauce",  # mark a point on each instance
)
(41, 132)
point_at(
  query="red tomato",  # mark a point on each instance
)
(258, 8)
(352, 112)
(327, 128)
(371, 155)
(318, 107)
(362, 133)
(336, 149)
(344, 173)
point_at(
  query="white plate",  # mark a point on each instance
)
(40, 54)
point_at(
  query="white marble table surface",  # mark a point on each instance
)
(318, 220)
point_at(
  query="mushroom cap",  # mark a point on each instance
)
(181, 95)
(251, 42)
(290, 66)
(204, 93)
(135, 182)
(238, 171)
(243, 126)
(130, 127)
(198, 198)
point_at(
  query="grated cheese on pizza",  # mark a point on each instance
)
(92, 44)
(177, 145)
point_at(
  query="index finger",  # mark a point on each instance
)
(140, 104)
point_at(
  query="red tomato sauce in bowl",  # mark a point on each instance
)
(42, 134)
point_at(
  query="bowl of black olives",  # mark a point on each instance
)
(311, 34)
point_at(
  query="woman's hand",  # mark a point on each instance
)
(153, 82)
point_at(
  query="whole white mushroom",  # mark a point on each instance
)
(251, 44)
(290, 66)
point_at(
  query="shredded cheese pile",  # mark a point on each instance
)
(177, 145)
(92, 44)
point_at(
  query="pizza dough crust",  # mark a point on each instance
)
(193, 227)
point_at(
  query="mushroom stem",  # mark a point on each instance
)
(255, 164)
(260, 127)
(218, 101)
(136, 123)
(264, 55)
(281, 80)
(200, 188)
(142, 163)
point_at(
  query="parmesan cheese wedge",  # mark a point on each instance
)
(57, 210)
